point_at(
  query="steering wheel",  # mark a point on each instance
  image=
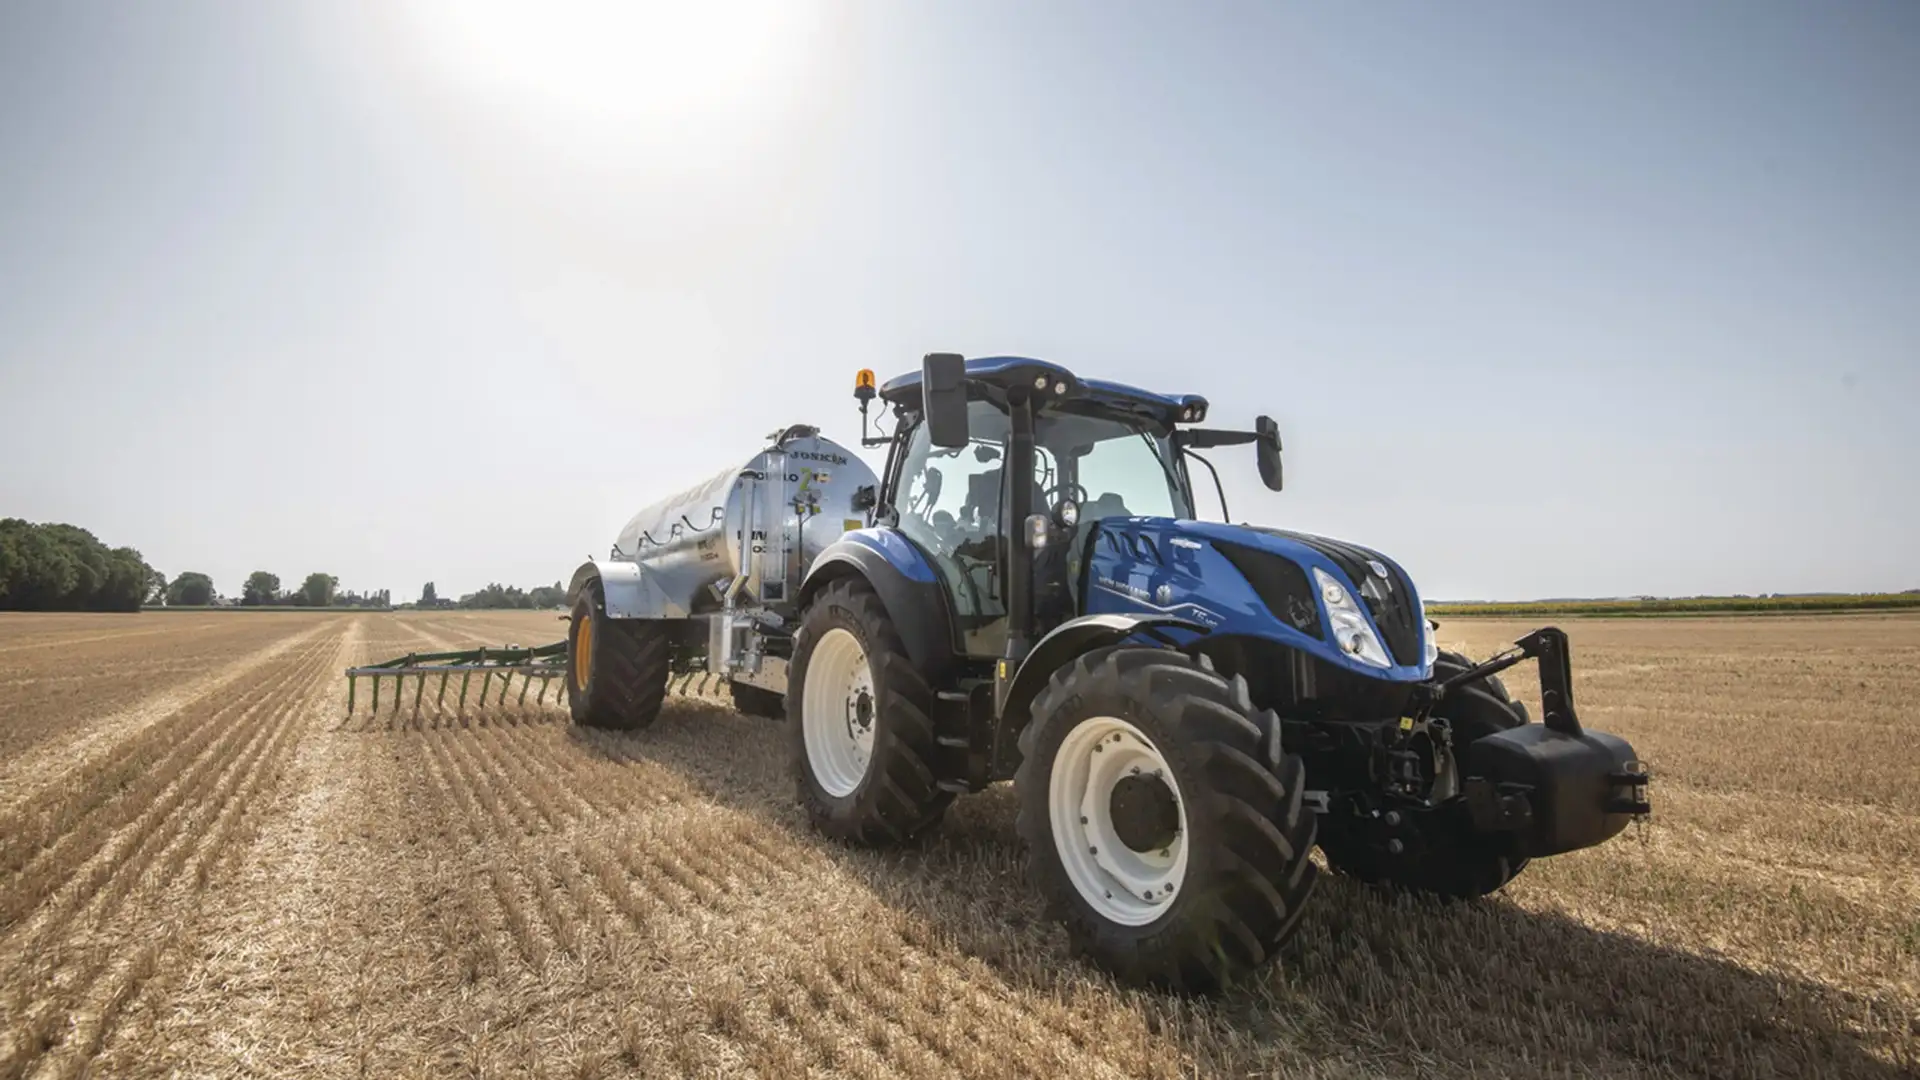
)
(1074, 491)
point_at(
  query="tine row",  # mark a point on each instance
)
(544, 674)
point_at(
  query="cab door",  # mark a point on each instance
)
(951, 503)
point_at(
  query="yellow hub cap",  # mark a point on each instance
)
(583, 652)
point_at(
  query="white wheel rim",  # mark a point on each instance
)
(839, 745)
(1132, 888)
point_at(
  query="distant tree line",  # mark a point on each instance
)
(57, 567)
(262, 589)
(496, 595)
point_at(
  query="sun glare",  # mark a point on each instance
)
(581, 62)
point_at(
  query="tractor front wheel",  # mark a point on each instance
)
(616, 668)
(859, 722)
(1163, 826)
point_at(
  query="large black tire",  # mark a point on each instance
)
(898, 797)
(617, 675)
(1451, 860)
(756, 701)
(1248, 838)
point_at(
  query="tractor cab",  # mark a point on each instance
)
(1012, 555)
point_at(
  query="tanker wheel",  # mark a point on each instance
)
(1161, 827)
(859, 722)
(1450, 860)
(616, 668)
(755, 701)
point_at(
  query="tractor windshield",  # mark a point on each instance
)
(952, 502)
(1113, 466)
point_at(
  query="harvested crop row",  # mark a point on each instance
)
(710, 873)
(136, 862)
(45, 838)
(508, 895)
(63, 688)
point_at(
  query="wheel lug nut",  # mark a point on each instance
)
(1169, 888)
(1136, 770)
(1083, 820)
(1148, 895)
(1093, 850)
(1395, 847)
(1392, 818)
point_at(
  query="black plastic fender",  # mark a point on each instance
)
(918, 608)
(1062, 644)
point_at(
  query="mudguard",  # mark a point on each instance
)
(907, 588)
(629, 594)
(1066, 641)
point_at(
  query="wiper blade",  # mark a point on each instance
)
(1173, 478)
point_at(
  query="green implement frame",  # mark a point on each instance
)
(543, 664)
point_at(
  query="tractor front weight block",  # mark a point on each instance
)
(1554, 786)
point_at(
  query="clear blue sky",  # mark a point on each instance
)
(1549, 299)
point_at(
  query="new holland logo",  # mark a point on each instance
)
(1379, 568)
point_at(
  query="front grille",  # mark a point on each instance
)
(1389, 599)
(1280, 584)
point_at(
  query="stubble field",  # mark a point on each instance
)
(205, 870)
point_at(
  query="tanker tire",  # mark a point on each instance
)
(898, 798)
(626, 678)
(1249, 839)
(1453, 861)
(756, 701)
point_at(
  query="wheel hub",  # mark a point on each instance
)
(1145, 815)
(839, 712)
(860, 716)
(1118, 821)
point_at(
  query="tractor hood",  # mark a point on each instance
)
(1258, 580)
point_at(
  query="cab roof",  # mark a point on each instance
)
(1007, 371)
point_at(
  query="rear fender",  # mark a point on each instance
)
(629, 593)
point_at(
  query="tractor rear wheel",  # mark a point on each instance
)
(1163, 825)
(749, 700)
(1451, 860)
(616, 668)
(859, 722)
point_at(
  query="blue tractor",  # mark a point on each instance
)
(1185, 707)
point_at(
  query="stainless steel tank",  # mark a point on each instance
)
(750, 529)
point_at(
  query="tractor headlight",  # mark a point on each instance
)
(1349, 625)
(1432, 650)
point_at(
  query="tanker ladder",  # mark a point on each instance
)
(543, 663)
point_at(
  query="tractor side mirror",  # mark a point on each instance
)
(943, 385)
(1267, 451)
